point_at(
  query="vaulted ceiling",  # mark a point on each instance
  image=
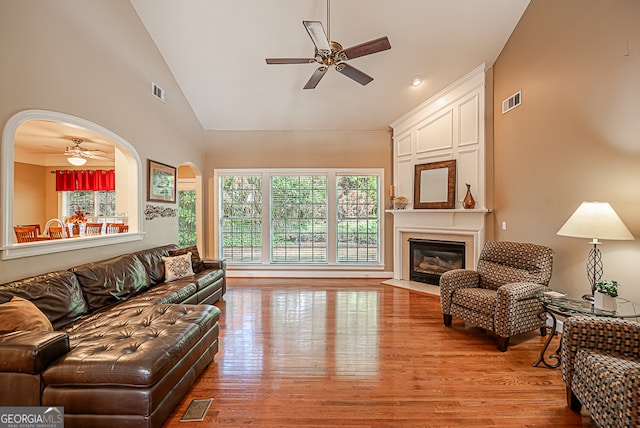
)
(216, 50)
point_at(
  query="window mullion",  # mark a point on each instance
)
(331, 218)
(266, 218)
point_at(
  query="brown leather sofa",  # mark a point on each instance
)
(126, 346)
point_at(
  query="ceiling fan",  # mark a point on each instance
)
(329, 53)
(77, 154)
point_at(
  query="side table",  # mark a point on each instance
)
(566, 307)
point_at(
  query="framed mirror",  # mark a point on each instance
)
(435, 185)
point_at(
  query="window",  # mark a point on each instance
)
(357, 218)
(329, 217)
(241, 222)
(299, 219)
(94, 204)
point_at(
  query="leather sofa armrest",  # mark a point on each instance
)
(215, 264)
(31, 352)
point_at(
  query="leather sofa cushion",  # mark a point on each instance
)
(152, 261)
(57, 294)
(112, 280)
(135, 346)
(180, 291)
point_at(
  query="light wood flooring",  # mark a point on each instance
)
(356, 353)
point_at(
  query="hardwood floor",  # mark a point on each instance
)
(356, 353)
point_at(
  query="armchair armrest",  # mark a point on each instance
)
(29, 351)
(517, 309)
(609, 335)
(453, 280)
(510, 293)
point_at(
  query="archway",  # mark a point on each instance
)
(124, 154)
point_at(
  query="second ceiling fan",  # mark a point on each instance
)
(329, 53)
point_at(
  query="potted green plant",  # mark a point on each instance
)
(604, 296)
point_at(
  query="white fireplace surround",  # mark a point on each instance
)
(458, 225)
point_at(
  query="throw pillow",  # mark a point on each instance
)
(19, 314)
(196, 261)
(177, 267)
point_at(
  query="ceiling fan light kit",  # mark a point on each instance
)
(329, 53)
(76, 160)
(78, 155)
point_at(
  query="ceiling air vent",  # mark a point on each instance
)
(157, 92)
(512, 102)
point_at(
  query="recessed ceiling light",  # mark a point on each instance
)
(416, 81)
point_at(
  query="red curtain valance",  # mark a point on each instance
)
(85, 179)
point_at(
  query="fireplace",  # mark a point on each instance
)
(430, 258)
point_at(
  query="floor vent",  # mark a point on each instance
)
(197, 410)
(512, 102)
(157, 92)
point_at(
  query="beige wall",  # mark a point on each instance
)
(576, 136)
(95, 60)
(299, 149)
(30, 207)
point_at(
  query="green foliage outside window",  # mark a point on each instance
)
(186, 218)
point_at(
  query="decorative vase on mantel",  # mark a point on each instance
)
(604, 302)
(468, 202)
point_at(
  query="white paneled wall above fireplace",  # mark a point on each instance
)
(448, 126)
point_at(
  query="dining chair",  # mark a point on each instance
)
(93, 229)
(37, 226)
(117, 228)
(56, 233)
(55, 222)
(25, 233)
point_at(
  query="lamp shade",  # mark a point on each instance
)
(76, 160)
(595, 220)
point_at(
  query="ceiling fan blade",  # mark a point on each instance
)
(354, 73)
(367, 48)
(290, 60)
(318, 36)
(315, 77)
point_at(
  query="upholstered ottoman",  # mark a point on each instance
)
(130, 367)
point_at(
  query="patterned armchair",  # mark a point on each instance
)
(601, 369)
(500, 295)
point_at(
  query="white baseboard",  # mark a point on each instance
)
(257, 273)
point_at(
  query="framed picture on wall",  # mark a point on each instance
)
(161, 182)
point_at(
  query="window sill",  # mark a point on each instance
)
(304, 266)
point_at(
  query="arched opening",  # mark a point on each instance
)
(42, 141)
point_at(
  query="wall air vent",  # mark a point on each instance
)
(512, 102)
(157, 92)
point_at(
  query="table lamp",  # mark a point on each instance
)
(595, 220)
